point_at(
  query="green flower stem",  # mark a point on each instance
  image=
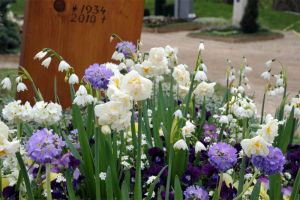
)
(247, 185)
(19, 130)
(48, 181)
(220, 184)
(1, 197)
(262, 109)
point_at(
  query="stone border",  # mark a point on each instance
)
(239, 38)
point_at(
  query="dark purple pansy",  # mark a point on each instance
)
(191, 175)
(228, 192)
(157, 155)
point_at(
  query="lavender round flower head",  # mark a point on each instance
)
(195, 192)
(272, 163)
(44, 146)
(98, 76)
(222, 156)
(127, 48)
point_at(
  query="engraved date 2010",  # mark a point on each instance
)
(88, 14)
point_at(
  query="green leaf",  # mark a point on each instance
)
(138, 174)
(287, 133)
(178, 190)
(275, 187)
(296, 187)
(125, 191)
(255, 191)
(90, 120)
(70, 189)
(85, 149)
(25, 176)
(242, 176)
(109, 185)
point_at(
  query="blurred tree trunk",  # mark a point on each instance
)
(291, 5)
(159, 7)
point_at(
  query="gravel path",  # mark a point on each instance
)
(287, 50)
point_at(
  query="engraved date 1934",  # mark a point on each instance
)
(88, 14)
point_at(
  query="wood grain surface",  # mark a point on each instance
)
(79, 30)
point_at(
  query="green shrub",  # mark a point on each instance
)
(9, 31)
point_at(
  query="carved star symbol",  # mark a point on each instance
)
(74, 8)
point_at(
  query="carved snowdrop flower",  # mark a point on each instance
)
(21, 87)
(201, 46)
(40, 55)
(47, 62)
(200, 76)
(82, 98)
(199, 146)
(63, 66)
(266, 75)
(73, 79)
(180, 144)
(6, 84)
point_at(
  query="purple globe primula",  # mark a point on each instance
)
(127, 48)
(272, 163)
(210, 130)
(195, 192)
(222, 156)
(44, 146)
(98, 76)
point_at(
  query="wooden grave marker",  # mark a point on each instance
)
(79, 30)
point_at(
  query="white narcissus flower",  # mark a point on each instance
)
(199, 146)
(4, 130)
(266, 75)
(182, 91)
(201, 46)
(115, 94)
(188, 129)
(178, 113)
(205, 89)
(200, 76)
(46, 62)
(255, 146)
(46, 113)
(15, 112)
(113, 113)
(158, 58)
(181, 75)
(180, 145)
(135, 85)
(146, 69)
(82, 98)
(73, 79)
(7, 147)
(21, 87)
(40, 55)
(6, 83)
(63, 66)
(269, 130)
